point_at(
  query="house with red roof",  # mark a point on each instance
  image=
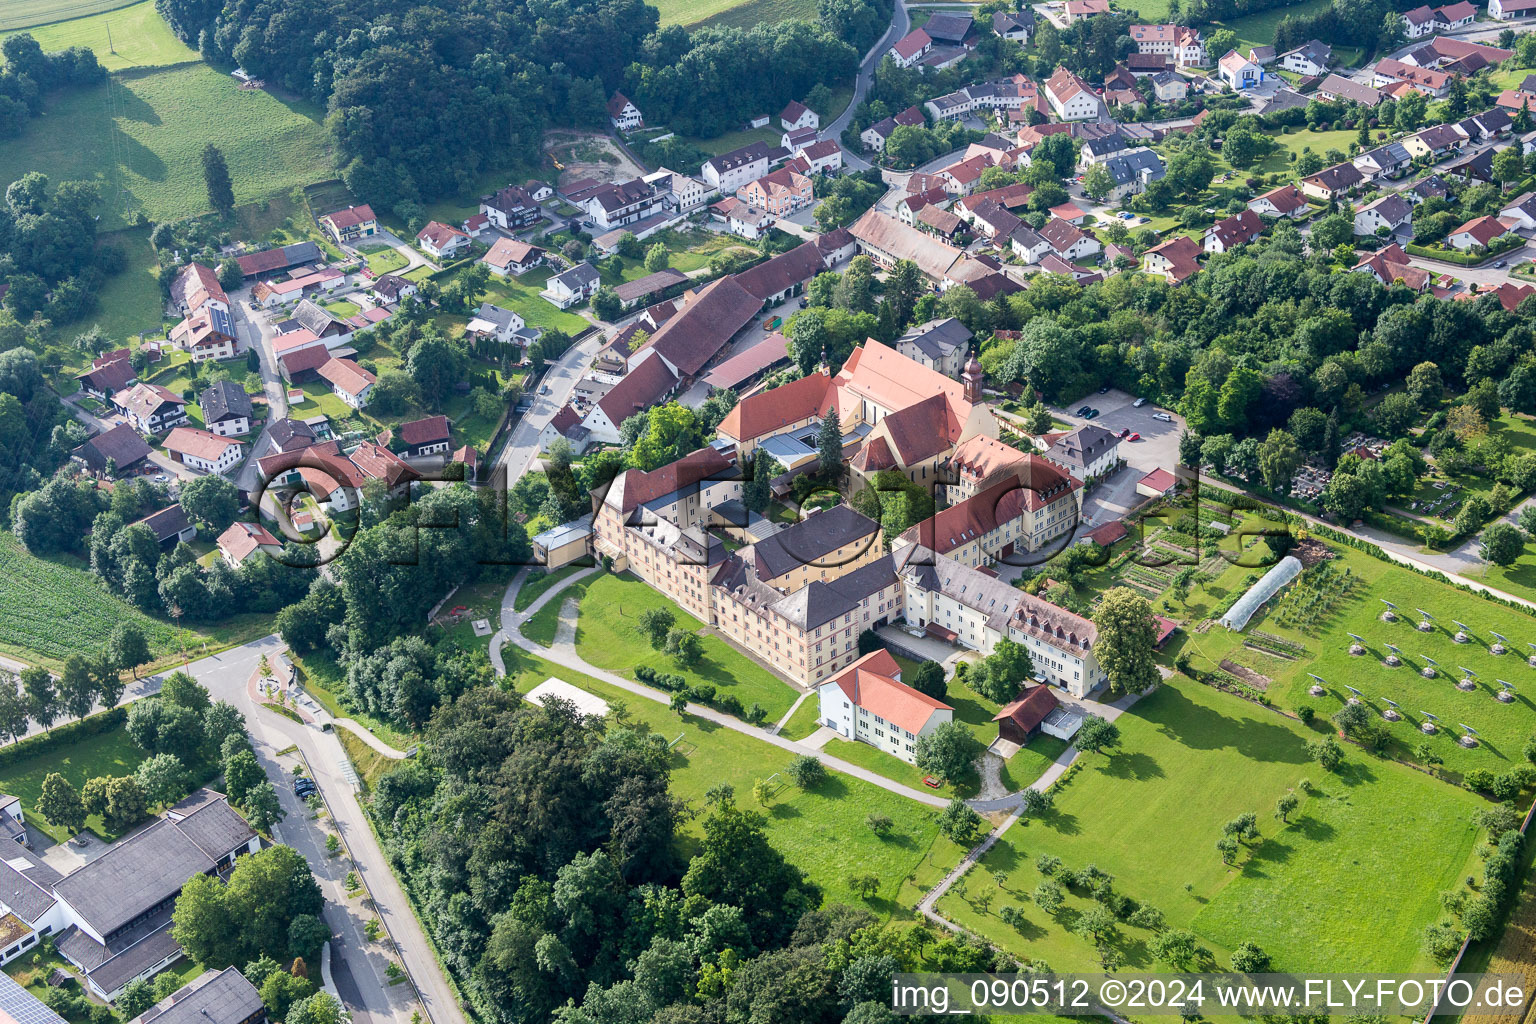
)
(1017, 514)
(242, 540)
(1175, 261)
(867, 701)
(1157, 484)
(441, 241)
(1285, 201)
(1480, 232)
(351, 224)
(351, 383)
(203, 451)
(426, 436)
(1020, 721)
(910, 48)
(623, 114)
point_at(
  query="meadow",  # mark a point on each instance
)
(1331, 889)
(744, 14)
(122, 37)
(141, 136)
(23, 13)
(110, 753)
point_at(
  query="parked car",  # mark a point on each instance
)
(1134, 437)
(1163, 417)
(1104, 390)
(1499, 264)
(1124, 432)
(1082, 410)
(1090, 414)
(1139, 403)
(303, 785)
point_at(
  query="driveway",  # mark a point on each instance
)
(98, 424)
(560, 377)
(255, 331)
(1159, 444)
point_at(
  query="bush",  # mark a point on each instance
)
(1305, 713)
(807, 772)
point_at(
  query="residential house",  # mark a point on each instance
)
(992, 221)
(242, 540)
(1434, 142)
(1263, 56)
(1419, 22)
(1239, 229)
(150, 408)
(886, 240)
(680, 192)
(566, 423)
(204, 451)
(510, 256)
(623, 114)
(1520, 212)
(1131, 171)
(118, 451)
(821, 157)
(427, 436)
(1027, 244)
(940, 222)
(1285, 201)
(289, 435)
(1389, 161)
(875, 135)
(797, 115)
(441, 241)
(195, 287)
(1169, 87)
(1078, 10)
(569, 287)
(910, 48)
(617, 204)
(226, 409)
(1455, 15)
(729, 171)
(1310, 60)
(868, 702)
(1071, 98)
(1337, 87)
(1015, 26)
(1175, 260)
(1476, 234)
(110, 373)
(207, 334)
(1086, 453)
(1068, 241)
(511, 208)
(939, 345)
(351, 224)
(1238, 71)
(1508, 10)
(1476, 168)
(740, 219)
(169, 526)
(321, 322)
(779, 192)
(392, 289)
(1426, 80)
(1332, 182)
(1390, 266)
(648, 381)
(1180, 42)
(351, 383)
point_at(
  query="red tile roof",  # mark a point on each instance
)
(1030, 709)
(351, 217)
(769, 411)
(424, 431)
(198, 443)
(869, 683)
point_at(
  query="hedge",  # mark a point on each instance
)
(1465, 259)
(64, 735)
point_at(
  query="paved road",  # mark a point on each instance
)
(560, 377)
(899, 27)
(167, 465)
(255, 331)
(225, 676)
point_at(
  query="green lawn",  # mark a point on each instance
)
(753, 12)
(1336, 889)
(52, 608)
(542, 626)
(1259, 29)
(383, 259)
(319, 398)
(141, 136)
(1504, 728)
(25, 13)
(521, 294)
(110, 753)
(139, 36)
(735, 140)
(344, 308)
(538, 581)
(805, 720)
(130, 301)
(821, 831)
(607, 635)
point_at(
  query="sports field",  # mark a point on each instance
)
(142, 135)
(125, 37)
(21, 13)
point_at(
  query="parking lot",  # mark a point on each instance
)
(1157, 449)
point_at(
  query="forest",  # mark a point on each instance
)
(28, 74)
(482, 79)
(543, 850)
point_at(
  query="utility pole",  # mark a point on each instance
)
(110, 47)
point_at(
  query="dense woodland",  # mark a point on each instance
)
(543, 850)
(481, 79)
(28, 73)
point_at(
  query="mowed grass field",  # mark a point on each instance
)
(1259, 29)
(744, 15)
(21, 13)
(821, 831)
(125, 37)
(142, 134)
(111, 753)
(1349, 884)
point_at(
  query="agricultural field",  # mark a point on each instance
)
(25, 13)
(759, 12)
(141, 136)
(1309, 892)
(139, 37)
(1305, 631)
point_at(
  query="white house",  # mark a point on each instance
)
(910, 48)
(1180, 42)
(868, 702)
(1391, 211)
(569, 287)
(511, 256)
(1238, 71)
(1522, 211)
(351, 383)
(440, 240)
(1072, 98)
(1310, 59)
(729, 171)
(203, 451)
(492, 321)
(1068, 241)
(623, 114)
(226, 409)
(1507, 10)
(1285, 201)
(797, 115)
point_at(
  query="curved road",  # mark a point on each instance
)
(899, 27)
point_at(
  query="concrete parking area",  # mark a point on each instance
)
(1158, 448)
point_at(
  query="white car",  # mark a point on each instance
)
(1138, 403)
(1162, 416)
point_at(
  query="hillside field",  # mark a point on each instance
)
(139, 37)
(142, 135)
(21, 13)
